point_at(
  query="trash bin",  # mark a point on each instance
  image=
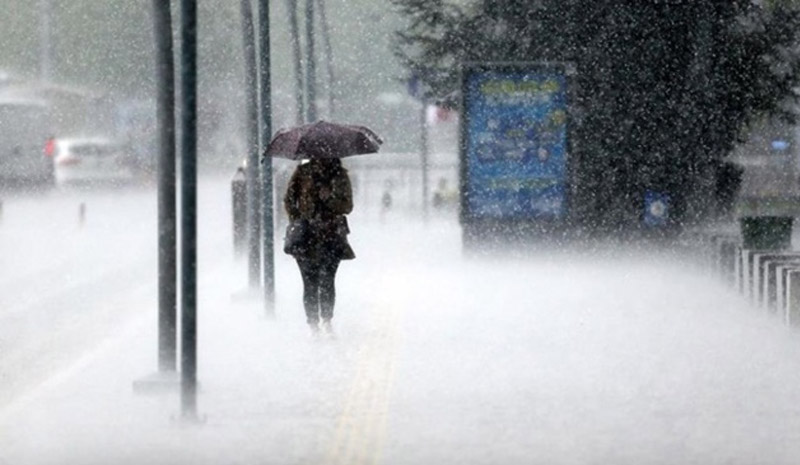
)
(239, 198)
(766, 232)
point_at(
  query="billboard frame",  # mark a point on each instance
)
(474, 226)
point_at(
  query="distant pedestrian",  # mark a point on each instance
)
(386, 198)
(318, 197)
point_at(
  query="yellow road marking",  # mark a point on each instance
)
(361, 430)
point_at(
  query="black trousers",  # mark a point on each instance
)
(319, 291)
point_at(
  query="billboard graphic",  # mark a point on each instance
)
(514, 146)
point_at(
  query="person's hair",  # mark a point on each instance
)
(328, 167)
(330, 161)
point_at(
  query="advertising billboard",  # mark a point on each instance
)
(514, 147)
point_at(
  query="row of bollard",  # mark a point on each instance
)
(769, 279)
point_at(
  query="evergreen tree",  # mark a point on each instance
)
(665, 88)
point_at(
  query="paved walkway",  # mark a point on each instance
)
(549, 359)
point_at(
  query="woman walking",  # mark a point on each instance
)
(317, 199)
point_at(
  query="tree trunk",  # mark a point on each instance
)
(294, 31)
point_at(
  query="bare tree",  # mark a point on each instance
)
(326, 38)
(294, 31)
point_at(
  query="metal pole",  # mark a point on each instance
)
(189, 209)
(251, 106)
(265, 94)
(423, 143)
(45, 63)
(294, 28)
(311, 65)
(239, 208)
(167, 231)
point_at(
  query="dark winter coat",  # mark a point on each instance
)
(320, 194)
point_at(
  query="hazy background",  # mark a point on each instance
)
(108, 46)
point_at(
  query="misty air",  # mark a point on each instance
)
(399, 232)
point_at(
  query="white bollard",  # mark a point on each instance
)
(780, 290)
(755, 287)
(755, 262)
(748, 275)
(745, 277)
(770, 278)
(728, 256)
(782, 286)
(765, 284)
(763, 281)
(737, 270)
(793, 297)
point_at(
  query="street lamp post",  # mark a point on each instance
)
(251, 108)
(167, 217)
(166, 377)
(189, 209)
(265, 97)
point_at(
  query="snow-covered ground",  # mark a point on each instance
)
(562, 357)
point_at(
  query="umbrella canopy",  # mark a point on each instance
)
(323, 140)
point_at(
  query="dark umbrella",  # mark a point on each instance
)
(323, 140)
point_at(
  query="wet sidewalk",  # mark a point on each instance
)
(551, 359)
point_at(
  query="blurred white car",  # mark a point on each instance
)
(91, 160)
